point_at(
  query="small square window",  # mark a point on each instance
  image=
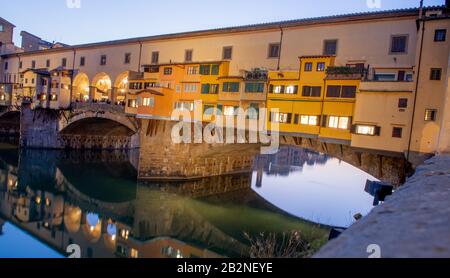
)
(399, 44)
(308, 66)
(274, 50)
(321, 66)
(227, 53)
(440, 35)
(435, 74)
(397, 132)
(330, 47)
(403, 103)
(430, 115)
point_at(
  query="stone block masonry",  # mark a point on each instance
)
(412, 223)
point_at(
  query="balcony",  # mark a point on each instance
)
(386, 86)
(345, 73)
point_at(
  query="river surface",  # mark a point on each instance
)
(55, 204)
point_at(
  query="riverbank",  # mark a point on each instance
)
(413, 222)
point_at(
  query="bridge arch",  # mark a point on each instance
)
(81, 87)
(101, 86)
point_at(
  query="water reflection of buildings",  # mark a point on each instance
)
(286, 161)
(157, 220)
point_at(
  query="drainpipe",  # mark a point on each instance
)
(71, 77)
(140, 56)
(417, 79)
(281, 47)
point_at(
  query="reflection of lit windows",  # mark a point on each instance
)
(38, 200)
(134, 253)
(308, 120)
(53, 97)
(338, 122)
(124, 233)
(171, 252)
(47, 202)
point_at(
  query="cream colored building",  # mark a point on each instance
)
(396, 94)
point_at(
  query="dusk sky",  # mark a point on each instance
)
(102, 20)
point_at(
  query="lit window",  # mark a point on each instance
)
(365, 130)
(308, 120)
(338, 122)
(281, 118)
(132, 103)
(184, 106)
(134, 253)
(291, 90)
(148, 102)
(278, 90)
(190, 88)
(430, 115)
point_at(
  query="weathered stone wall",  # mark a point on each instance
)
(160, 158)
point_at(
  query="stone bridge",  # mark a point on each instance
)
(84, 126)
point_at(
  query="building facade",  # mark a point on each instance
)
(374, 81)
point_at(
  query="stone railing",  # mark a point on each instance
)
(98, 107)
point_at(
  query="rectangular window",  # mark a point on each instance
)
(309, 120)
(6, 65)
(274, 50)
(308, 66)
(215, 70)
(338, 122)
(367, 130)
(403, 103)
(167, 71)
(82, 61)
(279, 89)
(103, 60)
(251, 87)
(190, 87)
(188, 55)
(214, 89)
(205, 69)
(205, 88)
(399, 44)
(64, 62)
(186, 106)
(127, 58)
(231, 87)
(20, 64)
(33, 64)
(348, 91)
(330, 47)
(296, 116)
(284, 118)
(397, 132)
(430, 115)
(47, 63)
(440, 35)
(192, 70)
(292, 90)
(148, 101)
(435, 74)
(333, 91)
(227, 53)
(321, 66)
(151, 69)
(155, 57)
(385, 76)
(316, 91)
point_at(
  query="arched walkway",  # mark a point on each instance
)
(121, 86)
(101, 87)
(80, 87)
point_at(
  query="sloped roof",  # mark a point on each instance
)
(4, 21)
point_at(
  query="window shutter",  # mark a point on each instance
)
(271, 89)
(324, 120)
(289, 118)
(377, 131)
(296, 89)
(350, 121)
(282, 89)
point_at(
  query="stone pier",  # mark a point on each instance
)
(413, 223)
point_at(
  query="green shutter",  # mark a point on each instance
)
(205, 88)
(215, 70)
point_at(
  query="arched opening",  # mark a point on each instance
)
(97, 126)
(101, 86)
(121, 86)
(80, 91)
